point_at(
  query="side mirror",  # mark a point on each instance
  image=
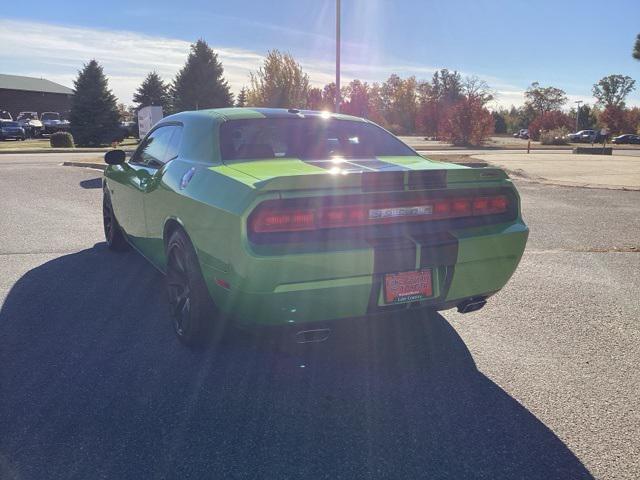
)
(115, 157)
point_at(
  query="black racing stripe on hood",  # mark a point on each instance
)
(378, 165)
(330, 165)
(354, 165)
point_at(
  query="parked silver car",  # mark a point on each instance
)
(584, 136)
(522, 133)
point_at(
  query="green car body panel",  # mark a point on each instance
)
(316, 279)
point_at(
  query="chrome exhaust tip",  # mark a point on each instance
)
(312, 336)
(472, 305)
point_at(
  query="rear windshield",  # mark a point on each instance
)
(306, 138)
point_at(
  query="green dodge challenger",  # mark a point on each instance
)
(281, 217)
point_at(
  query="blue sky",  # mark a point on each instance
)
(568, 44)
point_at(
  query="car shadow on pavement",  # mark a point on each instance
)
(95, 385)
(91, 183)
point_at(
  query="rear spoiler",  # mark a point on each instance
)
(384, 181)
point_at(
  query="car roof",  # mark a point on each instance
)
(244, 113)
(197, 142)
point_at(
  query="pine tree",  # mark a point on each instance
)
(241, 101)
(94, 114)
(200, 83)
(152, 91)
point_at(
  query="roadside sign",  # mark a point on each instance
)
(147, 118)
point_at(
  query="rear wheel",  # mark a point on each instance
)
(112, 232)
(192, 309)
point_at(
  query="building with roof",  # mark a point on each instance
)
(29, 94)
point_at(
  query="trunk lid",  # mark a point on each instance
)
(372, 174)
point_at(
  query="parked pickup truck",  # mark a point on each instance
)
(52, 122)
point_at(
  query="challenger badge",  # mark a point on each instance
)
(414, 211)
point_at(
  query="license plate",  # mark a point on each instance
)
(407, 286)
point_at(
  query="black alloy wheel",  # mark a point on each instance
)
(193, 312)
(112, 232)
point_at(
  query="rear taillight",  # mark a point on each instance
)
(289, 216)
(268, 219)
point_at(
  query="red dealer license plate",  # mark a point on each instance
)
(407, 286)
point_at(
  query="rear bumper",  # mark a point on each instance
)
(302, 288)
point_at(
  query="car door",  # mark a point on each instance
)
(137, 176)
(160, 201)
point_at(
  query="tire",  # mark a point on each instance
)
(193, 312)
(113, 234)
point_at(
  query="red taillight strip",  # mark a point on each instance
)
(282, 216)
(282, 220)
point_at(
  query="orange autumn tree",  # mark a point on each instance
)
(467, 122)
(549, 121)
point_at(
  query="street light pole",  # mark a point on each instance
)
(337, 108)
(577, 113)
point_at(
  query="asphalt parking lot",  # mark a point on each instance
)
(541, 384)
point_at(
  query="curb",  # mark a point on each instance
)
(520, 175)
(418, 148)
(490, 149)
(59, 150)
(562, 183)
(98, 166)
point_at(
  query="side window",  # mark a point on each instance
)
(174, 143)
(154, 149)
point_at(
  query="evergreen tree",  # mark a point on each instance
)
(94, 114)
(446, 86)
(200, 83)
(241, 101)
(152, 91)
(588, 118)
(499, 122)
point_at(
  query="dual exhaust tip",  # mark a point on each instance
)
(319, 335)
(472, 305)
(312, 336)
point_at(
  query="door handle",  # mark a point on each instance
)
(186, 178)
